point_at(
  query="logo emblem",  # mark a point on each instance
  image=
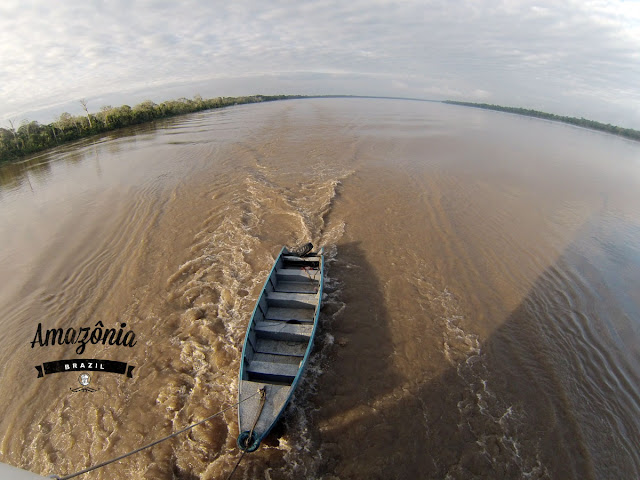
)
(84, 380)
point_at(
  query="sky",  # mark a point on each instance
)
(576, 58)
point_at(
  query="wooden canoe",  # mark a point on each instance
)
(278, 342)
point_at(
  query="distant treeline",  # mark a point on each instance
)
(581, 122)
(32, 137)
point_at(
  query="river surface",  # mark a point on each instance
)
(481, 316)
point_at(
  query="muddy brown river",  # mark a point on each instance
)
(481, 316)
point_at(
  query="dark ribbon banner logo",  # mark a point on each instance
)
(84, 364)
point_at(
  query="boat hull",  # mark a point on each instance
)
(278, 343)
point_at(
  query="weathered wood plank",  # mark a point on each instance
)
(294, 258)
(279, 347)
(284, 314)
(297, 287)
(292, 300)
(273, 369)
(277, 395)
(284, 331)
(277, 359)
(298, 275)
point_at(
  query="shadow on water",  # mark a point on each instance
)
(359, 369)
(548, 395)
(366, 331)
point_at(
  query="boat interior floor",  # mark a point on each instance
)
(281, 337)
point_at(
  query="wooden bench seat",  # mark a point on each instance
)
(292, 300)
(287, 314)
(283, 331)
(277, 372)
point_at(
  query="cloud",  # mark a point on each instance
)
(574, 56)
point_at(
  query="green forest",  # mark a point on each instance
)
(581, 122)
(17, 142)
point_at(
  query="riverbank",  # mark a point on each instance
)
(32, 137)
(580, 122)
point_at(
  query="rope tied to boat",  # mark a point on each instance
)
(307, 270)
(89, 469)
(263, 400)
